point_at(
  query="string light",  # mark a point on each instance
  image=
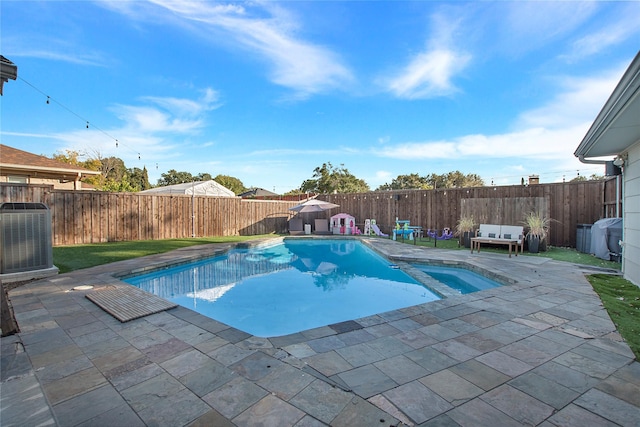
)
(50, 99)
(551, 173)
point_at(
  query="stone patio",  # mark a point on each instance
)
(539, 351)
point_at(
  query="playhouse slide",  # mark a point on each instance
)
(376, 230)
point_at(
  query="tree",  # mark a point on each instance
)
(114, 175)
(112, 168)
(294, 192)
(173, 177)
(139, 179)
(230, 182)
(455, 179)
(407, 182)
(593, 177)
(327, 179)
(71, 157)
(204, 177)
(118, 186)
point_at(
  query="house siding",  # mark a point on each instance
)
(68, 185)
(631, 231)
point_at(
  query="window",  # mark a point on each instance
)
(18, 179)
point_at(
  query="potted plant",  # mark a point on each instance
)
(464, 229)
(538, 227)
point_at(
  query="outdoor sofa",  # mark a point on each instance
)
(491, 234)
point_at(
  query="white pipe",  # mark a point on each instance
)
(193, 209)
(617, 196)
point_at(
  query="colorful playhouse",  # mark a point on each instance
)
(343, 223)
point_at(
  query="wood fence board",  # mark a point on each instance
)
(85, 218)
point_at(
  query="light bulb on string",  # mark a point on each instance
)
(50, 100)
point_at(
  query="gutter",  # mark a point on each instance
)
(625, 91)
(592, 162)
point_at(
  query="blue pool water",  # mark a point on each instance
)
(459, 279)
(288, 287)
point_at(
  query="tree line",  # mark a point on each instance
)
(325, 179)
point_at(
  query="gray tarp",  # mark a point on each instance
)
(605, 236)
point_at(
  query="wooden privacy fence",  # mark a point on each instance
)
(92, 217)
(566, 204)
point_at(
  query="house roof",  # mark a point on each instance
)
(257, 191)
(8, 70)
(14, 161)
(617, 126)
(199, 188)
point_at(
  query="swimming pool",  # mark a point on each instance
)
(288, 287)
(460, 280)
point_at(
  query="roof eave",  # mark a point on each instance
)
(625, 92)
(27, 168)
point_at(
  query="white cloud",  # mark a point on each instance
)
(610, 33)
(158, 128)
(578, 101)
(531, 25)
(535, 142)
(183, 106)
(53, 50)
(429, 73)
(168, 114)
(152, 120)
(551, 131)
(264, 29)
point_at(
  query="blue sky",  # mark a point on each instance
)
(267, 91)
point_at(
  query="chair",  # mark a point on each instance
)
(295, 226)
(322, 226)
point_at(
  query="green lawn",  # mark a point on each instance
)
(621, 299)
(70, 258)
(556, 253)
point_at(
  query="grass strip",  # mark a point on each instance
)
(70, 258)
(554, 252)
(621, 299)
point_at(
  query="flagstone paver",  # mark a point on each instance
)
(541, 351)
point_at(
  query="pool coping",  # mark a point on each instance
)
(403, 262)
